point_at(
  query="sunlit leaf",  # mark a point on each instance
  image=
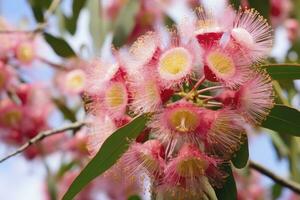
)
(283, 71)
(283, 119)
(125, 22)
(109, 153)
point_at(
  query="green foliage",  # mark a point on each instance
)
(71, 22)
(283, 119)
(60, 46)
(242, 156)
(228, 191)
(283, 71)
(65, 110)
(236, 3)
(276, 191)
(38, 7)
(111, 150)
(134, 197)
(262, 6)
(125, 22)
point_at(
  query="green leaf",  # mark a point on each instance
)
(109, 153)
(236, 3)
(37, 9)
(276, 191)
(284, 120)
(59, 45)
(228, 191)
(283, 71)
(71, 22)
(98, 26)
(125, 22)
(66, 111)
(134, 197)
(241, 157)
(262, 6)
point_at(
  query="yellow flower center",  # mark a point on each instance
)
(11, 118)
(191, 167)
(75, 80)
(183, 120)
(116, 95)
(221, 64)
(174, 61)
(25, 52)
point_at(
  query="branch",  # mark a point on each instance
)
(43, 135)
(284, 182)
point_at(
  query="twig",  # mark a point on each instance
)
(284, 182)
(43, 135)
(52, 64)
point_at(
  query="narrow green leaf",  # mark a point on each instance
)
(228, 191)
(37, 9)
(134, 197)
(66, 111)
(276, 191)
(125, 22)
(109, 153)
(98, 26)
(59, 45)
(283, 71)
(262, 6)
(71, 22)
(284, 120)
(241, 157)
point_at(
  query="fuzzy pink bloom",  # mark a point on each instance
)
(146, 158)
(106, 89)
(188, 174)
(180, 121)
(74, 81)
(146, 94)
(253, 100)
(252, 33)
(226, 65)
(11, 114)
(100, 129)
(225, 134)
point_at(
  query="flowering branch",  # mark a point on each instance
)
(284, 182)
(43, 135)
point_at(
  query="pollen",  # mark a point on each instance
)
(25, 52)
(221, 64)
(183, 120)
(116, 95)
(191, 167)
(76, 79)
(174, 61)
(11, 118)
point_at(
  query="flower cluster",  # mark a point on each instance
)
(202, 87)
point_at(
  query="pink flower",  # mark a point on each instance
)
(227, 66)
(253, 100)
(252, 33)
(146, 158)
